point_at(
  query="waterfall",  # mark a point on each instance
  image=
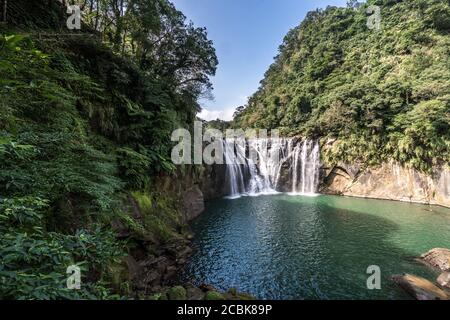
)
(234, 172)
(306, 156)
(269, 166)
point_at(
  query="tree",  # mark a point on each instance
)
(353, 4)
(332, 78)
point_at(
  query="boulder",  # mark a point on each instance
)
(438, 258)
(194, 293)
(420, 288)
(170, 273)
(134, 269)
(177, 293)
(444, 280)
(152, 278)
(193, 203)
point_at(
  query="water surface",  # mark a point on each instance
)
(294, 247)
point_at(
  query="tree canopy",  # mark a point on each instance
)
(383, 94)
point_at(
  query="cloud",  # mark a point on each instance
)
(208, 115)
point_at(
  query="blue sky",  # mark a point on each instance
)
(246, 35)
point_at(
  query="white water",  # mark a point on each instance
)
(259, 170)
(306, 158)
(234, 172)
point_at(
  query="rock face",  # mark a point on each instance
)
(212, 181)
(438, 258)
(193, 203)
(420, 288)
(444, 280)
(388, 181)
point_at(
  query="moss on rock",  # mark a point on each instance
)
(214, 295)
(177, 293)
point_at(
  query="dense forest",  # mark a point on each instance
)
(86, 118)
(85, 124)
(380, 94)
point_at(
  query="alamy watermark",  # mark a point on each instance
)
(74, 11)
(74, 277)
(374, 20)
(374, 281)
(213, 146)
(74, 20)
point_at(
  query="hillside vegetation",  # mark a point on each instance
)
(86, 118)
(381, 94)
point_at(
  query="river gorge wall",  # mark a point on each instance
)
(388, 181)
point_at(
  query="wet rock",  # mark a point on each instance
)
(212, 182)
(177, 293)
(181, 262)
(162, 264)
(170, 273)
(134, 269)
(185, 253)
(178, 250)
(194, 293)
(233, 294)
(193, 203)
(153, 278)
(437, 258)
(207, 287)
(285, 178)
(149, 262)
(420, 288)
(444, 280)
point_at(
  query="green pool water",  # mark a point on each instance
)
(295, 247)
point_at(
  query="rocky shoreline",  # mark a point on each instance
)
(423, 289)
(154, 261)
(153, 267)
(153, 272)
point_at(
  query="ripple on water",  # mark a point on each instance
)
(300, 247)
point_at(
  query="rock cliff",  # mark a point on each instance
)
(388, 181)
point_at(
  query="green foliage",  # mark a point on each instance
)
(421, 131)
(380, 93)
(217, 124)
(177, 293)
(33, 261)
(214, 296)
(83, 120)
(45, 144)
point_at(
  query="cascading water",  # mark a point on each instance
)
(234, 172)
(306, 156)
(260, 171)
